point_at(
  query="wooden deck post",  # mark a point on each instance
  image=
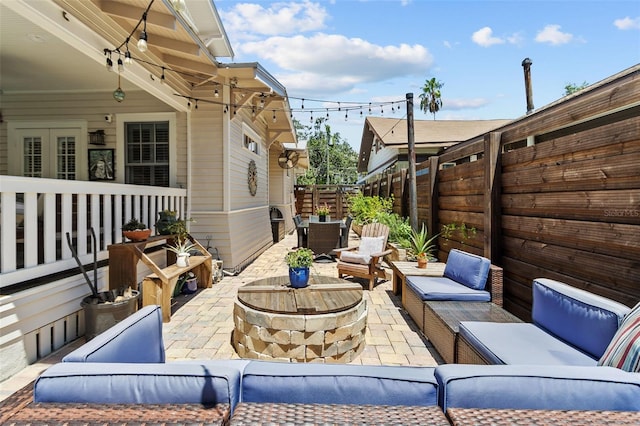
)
(432, 196)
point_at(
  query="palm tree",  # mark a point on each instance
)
(430, 98)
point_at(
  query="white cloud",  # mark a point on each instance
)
(484, 37)
(627, 23)
(249, 19)
(458, 104)
(551, 34)
(330, 61)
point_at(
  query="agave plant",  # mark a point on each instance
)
(181, 246)
(420, 243)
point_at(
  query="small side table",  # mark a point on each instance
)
(442, 321)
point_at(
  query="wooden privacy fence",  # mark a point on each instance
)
(553, 194)
(309, 197)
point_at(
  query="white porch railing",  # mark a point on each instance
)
(37, 213)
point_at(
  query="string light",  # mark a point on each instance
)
(162, 80)
(274, 116)
(127, 56)
(216, 93)
(142, 41)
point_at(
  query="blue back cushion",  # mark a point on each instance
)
(204, 382)
(137, 338)
(582, 319)
(467, 269)
(338, 384)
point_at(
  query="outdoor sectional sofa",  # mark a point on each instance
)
(126, 365)
(467, 277)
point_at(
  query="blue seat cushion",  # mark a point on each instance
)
(204, 382)
(338, 384)
(468, 269)
(580, 318)
(441, 288)
(541, 387)
(137, 338)
(520, 343)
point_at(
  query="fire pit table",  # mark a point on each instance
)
(325, 320)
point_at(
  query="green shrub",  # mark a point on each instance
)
(365, 209)
(399, 228)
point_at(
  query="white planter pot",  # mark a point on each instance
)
(182, 260)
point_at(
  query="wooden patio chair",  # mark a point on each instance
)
(365, 261)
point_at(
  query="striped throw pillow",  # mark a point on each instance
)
(624, 350)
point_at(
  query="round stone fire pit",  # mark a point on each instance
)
(325, 321)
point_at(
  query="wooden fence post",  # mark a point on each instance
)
(432, 196)
(492, 205)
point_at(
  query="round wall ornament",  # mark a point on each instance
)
(252, 177)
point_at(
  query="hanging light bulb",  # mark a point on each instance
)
(302, 103)
(142, 41)
(127, 57)
(196, 104)
(253, 111)
(120, 65)
(327, 114)
(178, 5)
(109, 63)
(189, 103)
(346, 115)
(261, 101)
(118, 94)
(216, 93)
(162, 80)
(274, 116)
(369, 108)
(311, 114)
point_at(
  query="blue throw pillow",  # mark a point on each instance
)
(467, 269)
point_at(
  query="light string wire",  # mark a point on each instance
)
(338, 106)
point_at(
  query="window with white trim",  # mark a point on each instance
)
(250, 144)
(147, 153)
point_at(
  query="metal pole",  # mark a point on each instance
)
(526, 64)
(328, 143)
(413, 190)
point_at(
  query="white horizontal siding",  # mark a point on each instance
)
(207, 159)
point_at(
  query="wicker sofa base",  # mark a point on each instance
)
(19, 409)
(466, 354)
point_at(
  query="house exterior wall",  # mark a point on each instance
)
(88, 107)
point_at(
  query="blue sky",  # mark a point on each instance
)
(377, 51)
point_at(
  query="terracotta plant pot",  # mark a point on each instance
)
(422, 262)
(138, 235)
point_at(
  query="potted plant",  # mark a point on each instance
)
(103, 309)
(166, 219)
(299, 262)
(181, 247)
(323, 212)
(135, 230)
(421, 245)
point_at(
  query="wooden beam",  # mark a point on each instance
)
(188, 65)
(135, 13)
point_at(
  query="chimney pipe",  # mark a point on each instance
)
(526, 64)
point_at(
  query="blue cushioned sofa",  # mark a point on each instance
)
(570, 327)
(126, 364)
(467, 277)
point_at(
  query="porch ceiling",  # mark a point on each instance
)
(36, 55)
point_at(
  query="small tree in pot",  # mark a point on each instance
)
(421, 245)
(135, 230)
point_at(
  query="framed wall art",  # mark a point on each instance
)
(101, 164)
